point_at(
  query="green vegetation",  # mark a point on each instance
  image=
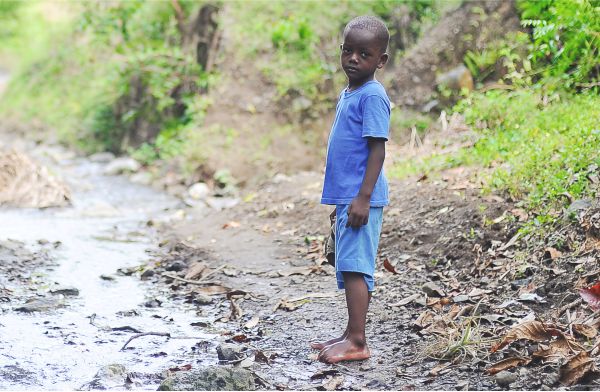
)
(538, 136)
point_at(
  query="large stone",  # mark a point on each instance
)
(108, 377)
(229, 352)
(505, 378)
(199, 191)
(122, 165)
(65, 290)
(40, 305)
(102, 157)
(214, 378)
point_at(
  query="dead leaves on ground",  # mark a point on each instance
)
(553, 345)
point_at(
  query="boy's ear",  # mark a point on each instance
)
(383, 59)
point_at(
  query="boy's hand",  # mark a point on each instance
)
(358, 212)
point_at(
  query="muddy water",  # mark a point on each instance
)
(105, 230)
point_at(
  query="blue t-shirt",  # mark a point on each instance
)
(361, 113)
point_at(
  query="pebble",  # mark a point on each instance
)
(229, 352)
(505, 378)
(432, 290)
(66, 291)
(203, 299)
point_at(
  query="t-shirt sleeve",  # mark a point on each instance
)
(376, 117)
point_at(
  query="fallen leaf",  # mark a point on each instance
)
(521, 215)
(552, 253)
(576, 368)
(298, 271)
(585, 330)
(252, 323)
(240, 338)
(195, 270)
(260, 357)
(508, 363)
(236, 310)
(333, 383)
(424, 320)
(530, 330)
(180, 368)
(324, 373)
(388, 266)
(232, 224)
(476, 292)
(591, 295)
(406, 300)
(439, 369)
(212, 289)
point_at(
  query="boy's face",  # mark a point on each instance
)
(361, 56)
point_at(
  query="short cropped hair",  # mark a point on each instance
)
(374, 25)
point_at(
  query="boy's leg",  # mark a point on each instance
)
(354, 345)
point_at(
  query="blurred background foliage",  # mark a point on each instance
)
(140, 77)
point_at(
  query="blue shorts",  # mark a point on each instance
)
(356, 249)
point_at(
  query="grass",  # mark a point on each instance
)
(539, 149)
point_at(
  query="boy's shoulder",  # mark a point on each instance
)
(374, 88)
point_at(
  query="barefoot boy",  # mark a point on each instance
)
(354, 181)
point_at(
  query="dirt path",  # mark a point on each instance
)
(271, 248)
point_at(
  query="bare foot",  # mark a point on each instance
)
(321, 345)
(346, 350)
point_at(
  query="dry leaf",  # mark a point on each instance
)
(212, 289)
(324, 373)
(195, 270)
(252, 323)
(236, 310)
(591, 295)
(388, 266)
(424, 320)
(260, 357)
(585, 330)
(233, 224)
(406, 300)
(333, 383)
(576, 368)
(439, 369)
(530, 330)
(508, 363)
(552, 253)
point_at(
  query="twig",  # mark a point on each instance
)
(199, 282)
(139, 335)
(167, 334)
(569, 306)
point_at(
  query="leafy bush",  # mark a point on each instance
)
(566, 39)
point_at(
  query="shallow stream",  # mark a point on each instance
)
(105, 230)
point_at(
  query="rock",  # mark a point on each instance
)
(66, 291)
(229, 352)
(147, 274)
(213, 378)
(40, 305)
(280, 177)
(221, 203)
(456, 79)
(505, 378)
(121, 165)
(202, 299)
(198, 191)
(108, 377)
(142, 178)
(102, 157)
(460, 298)
(432, 290)
(175, 266)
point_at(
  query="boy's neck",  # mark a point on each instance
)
(357, 84)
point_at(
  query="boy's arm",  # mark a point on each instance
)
(358, 213)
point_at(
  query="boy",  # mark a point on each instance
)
(354, 181)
